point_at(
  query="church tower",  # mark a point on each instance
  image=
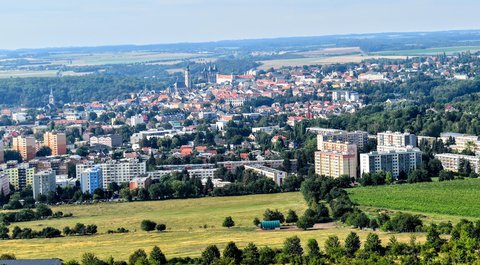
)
(188, 78)
(51, 98)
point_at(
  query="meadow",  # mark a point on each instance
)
(458, 198)
(192, 224)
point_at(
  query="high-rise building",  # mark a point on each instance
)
(20, 175)
(452, 161)
(394, 161)
(43, 183)
(336, 159)
(25, 145)
(91, 179)
(390, 140)
(111, 140)
(4, 184)
(116, 171)
(56, 141)
(188, 78)
(2, 153)
(359, 138)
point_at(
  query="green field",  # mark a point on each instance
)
(185, 235)
(431, 51)
(458, 198)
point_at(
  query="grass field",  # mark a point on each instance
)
(356, 58)
(185, 235)
(457, 199)
(431, 51)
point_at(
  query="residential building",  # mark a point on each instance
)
(136, 120)
(359, 138)
(335, 159)
(140, 183)
(232, 165)
(20, 175)
(91, 179)
(56, 141)
(388, 140)
(64, 181)
(2, 152)
(336, 163)
(119, 171)
(4, 184)
(111, 140)
(395, 161)
(452, 161)
(43, 183)
(462, 141)
(25, 145)
(276, 175)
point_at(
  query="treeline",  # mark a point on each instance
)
(42, 211)
(33, 92)
(47, 232)
(461, 247)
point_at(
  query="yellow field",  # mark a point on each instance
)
(185, 235)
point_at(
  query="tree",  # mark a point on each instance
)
(389, 178)
(210, 254)
(445, 175)
(228, 222)
(44, 151)
(305, 222)
(138, 254)
(148, 225)
(333, 248)
(352, 244)
(12, 155)
(270, 215)
(232, 253)
(313, 248)
(43, 211)
(291, 217)
(292, 247)
(373, 244)
(161, 227)
(256, 221)
(157, 257)
(250, 254)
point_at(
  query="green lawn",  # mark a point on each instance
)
(458, 198)
(185, 235)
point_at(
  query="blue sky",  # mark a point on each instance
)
(55, 23)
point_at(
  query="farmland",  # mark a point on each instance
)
(431, 51)
(355, 58)
(454, 198)
(192, 224)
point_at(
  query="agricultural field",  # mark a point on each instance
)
(192, 224)
(354, 58)
(456, 199)
(430, 51)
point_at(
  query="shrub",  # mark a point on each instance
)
(228, 222)
(148, 225)
(161, 227)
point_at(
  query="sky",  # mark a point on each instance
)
(64, 23)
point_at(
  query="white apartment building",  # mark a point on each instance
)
(395, 161)
(4, 184)
(388, 140)
(452, 161)
(111, 140)
(43, 183)
(359, 138)
(276, 175)
(203, 173)
(119, 171)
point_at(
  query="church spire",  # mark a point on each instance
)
(51, 98)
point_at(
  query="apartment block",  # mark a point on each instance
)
(57, 142)
(388, 140)
(43, 183)
(140, 183)
(25, 145)
(335, 163)
(19, 175)
(462, 141)
(91, 179)
(395, 161)
(111, 140)
(4, 184)
(2, 152)
(119, 171)
(276, 175)
(359, 138)
(452, 161)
